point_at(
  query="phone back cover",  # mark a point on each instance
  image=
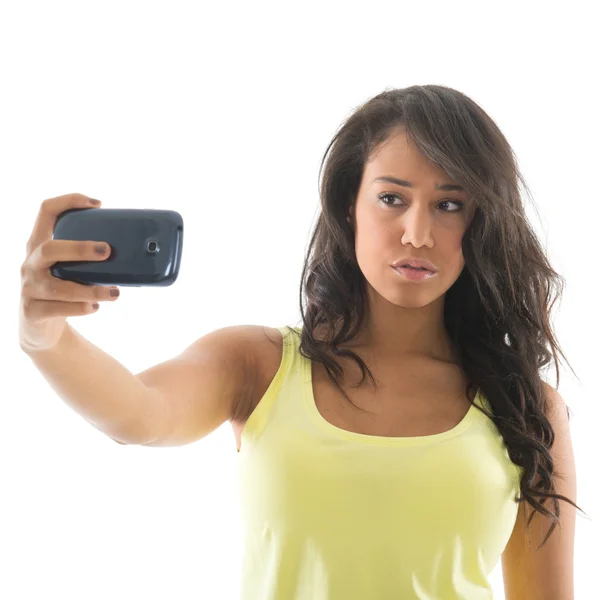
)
(146, 246)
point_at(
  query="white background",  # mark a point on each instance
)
(222, 112)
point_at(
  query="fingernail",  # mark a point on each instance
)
(94, 202)
(114, 292)
(101, 248)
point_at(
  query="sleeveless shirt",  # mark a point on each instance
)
(329, 514)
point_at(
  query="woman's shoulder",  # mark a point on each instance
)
(267, 352)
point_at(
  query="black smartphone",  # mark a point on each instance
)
(146, 246)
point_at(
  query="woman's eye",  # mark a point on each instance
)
(381, 197)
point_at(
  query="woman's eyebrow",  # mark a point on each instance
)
(447, 187)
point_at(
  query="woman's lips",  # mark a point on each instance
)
(414, 274)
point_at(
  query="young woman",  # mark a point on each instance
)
(422, 273)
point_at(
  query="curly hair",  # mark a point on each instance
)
(497, 311)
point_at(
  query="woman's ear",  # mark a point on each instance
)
(350, 217)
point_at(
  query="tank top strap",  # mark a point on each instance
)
(287, 377)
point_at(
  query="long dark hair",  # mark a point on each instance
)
(496, 313)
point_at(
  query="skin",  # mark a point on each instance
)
(405, 318)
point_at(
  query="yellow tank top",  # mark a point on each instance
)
(329, 514)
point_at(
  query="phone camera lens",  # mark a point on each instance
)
(152, 247)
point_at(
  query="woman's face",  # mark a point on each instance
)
(392, 222)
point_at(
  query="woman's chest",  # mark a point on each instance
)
(411, 401)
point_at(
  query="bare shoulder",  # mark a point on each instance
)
(264, 352)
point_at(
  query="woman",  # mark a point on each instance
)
(415, 481)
